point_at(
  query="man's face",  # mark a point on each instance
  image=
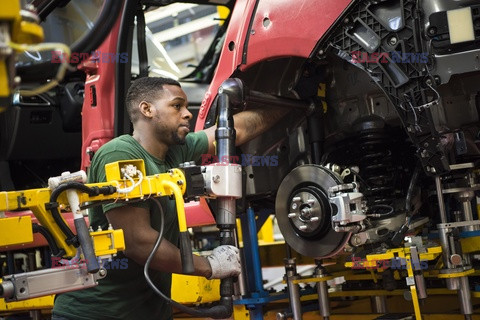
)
(171, 115)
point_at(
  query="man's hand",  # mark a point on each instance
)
(225, 262)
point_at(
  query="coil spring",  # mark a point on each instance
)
(376, 167)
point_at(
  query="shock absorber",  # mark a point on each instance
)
(376, 163)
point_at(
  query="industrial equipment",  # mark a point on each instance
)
(376, 178)
(381, 143)
(126, 181)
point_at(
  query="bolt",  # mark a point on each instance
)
(393, 41)
(306, 211)
(102, 272)
(296, 199)
(216, 178)
(311, 201)
(303, 227)
(294, 206)
(314, 219)
(432, 31)
(180, 182)
(281, 316)
(252, 32)
(456, 259)
(356, 241)
(292, 215)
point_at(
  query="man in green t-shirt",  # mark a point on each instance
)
(158, 109)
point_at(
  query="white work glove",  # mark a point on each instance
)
(225, 262)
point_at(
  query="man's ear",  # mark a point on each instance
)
(145, 109)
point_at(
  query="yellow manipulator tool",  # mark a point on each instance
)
(172, 183)
(126, 180)
(136, 186)
(18, 26)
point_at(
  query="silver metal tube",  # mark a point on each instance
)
(226, 212)
(379, 304)
(452, 283)
(421, 286)
(441, 203)
(464, 296)
(466, 199)
(239, 287)
(468, 214)
(442, 232)
(293, 289)
(323, 301)
(294, 292)
(36, 315)
(7, 290)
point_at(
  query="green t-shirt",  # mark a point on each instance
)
(124, 293)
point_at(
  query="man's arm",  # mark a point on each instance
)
(140, 238)
(249, 124)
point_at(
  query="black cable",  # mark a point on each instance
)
(216, 312)
(411, 187)
(123, 73)
(377, 214)
(53, 205)
(56, 252)
(89, 42)
(141, 43)
(45, 9)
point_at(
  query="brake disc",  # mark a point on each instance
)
(304, 213)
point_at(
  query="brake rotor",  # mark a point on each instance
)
(304, 213)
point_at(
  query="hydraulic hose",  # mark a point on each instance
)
(123, 76)
(216, 312)
(53, 205)
(83, 235)
(230, 94)
(89, 42)
(411, 188)
(56, 252)
(45, 8)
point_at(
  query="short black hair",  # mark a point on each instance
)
(145, 89)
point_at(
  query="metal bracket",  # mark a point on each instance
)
(33, 284)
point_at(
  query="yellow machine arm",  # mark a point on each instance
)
(126, 181)
(18, 26)
(39, 200)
